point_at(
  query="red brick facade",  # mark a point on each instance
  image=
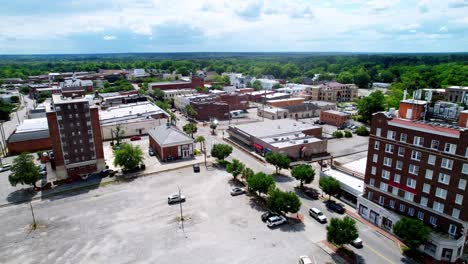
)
(333, 117)
(16, 148)
(210, 110)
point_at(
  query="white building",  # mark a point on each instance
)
(267, 84)
(168, 94)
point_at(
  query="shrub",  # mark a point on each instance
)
(362, 131)
(338, 134)
(348, 134)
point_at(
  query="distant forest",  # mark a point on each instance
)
(405, 71)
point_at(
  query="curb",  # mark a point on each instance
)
(88, 186)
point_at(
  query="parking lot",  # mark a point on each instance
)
(132, 223)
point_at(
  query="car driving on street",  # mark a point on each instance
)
(237, 191)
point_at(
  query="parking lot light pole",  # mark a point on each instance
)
(181, 215)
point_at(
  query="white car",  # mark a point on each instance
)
(304, 260)
(5, 167)
(357, 243)
(175, 199)
(276, 221)
(237, 191)
(318, 215)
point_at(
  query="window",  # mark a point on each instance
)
(452, 230)
(391, 134)
(402, 207)
(444, 178)
(465, 168)
(411, 211)
(413, 169)
(401, 151)
(381, 200)
(415, 155)
(411, 183)
(57, 108)
(409, 196)
(392, 204)
(433, 220)
(403, 137)
(395, 191)
(387, 162)
(456, 213)
(370, 195)
(429, 174)
(439, 207)
(59, 117)
(421, 215)
(426, 188)
(378, 132)
(371, 182)
(466, 153)
(423, 201)
(431, 160)
(389, 148)
(447, 163)
(450, 148)
(418, 141)
(396, 178)
(435, 144)
(373, 170)
(459, 199)
(376, 145)
(441, 193)
(462, 184)
(385, 174)
(375, 158)
(383, 186)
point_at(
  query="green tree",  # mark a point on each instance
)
(260, 182)
(24, 171)
(42, 96)
(345, 77)
(283, 202)
(14, 99)
(362, 78)
(330, 186)
(387, 76)
(158, 94)
(235, 168)
(247, 172)
(280, 161)
(190, 129)
(191, 112)
(337, 134)
(221, 151)
(412, 231)
(128, 157)
(342, 231)
(163, 105)
(201, 140)
(303, 173)
(348, 134)
(277, 85)
(257, 85)
(362, 131)
(213, 126)
(172, 118)
(371, 104)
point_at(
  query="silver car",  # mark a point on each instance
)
(175, 198)
(237, 191)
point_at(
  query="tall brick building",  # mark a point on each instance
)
(418, 169)
(75, 133)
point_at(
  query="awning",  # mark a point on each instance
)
(258, 146)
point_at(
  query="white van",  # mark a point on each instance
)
(318, 215)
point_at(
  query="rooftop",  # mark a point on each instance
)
(275, 95)
(348, 182)
(29, 125)
(270, 128)
(125, 112)
(169, 135)
(291, 139)
(272, 110)
(59, 99)
(167, 83)
(286, 99)
(413, 101)
(335, 112)
(428, 127)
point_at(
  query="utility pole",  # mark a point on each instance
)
(34, 218)
(181, 214)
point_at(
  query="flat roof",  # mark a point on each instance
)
(273, 95)
(291, 139)
(358, 166)
(167, 83)
(321, 103)
(273, 110)
(335, 112)
(179, 91)
(29, 125)
(426, 127)
(59, 99)
(129, 111)
(287, 99)
(270, 128)
(350, 184)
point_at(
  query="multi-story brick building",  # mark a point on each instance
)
(334, 117)
(177, 85)
(75, 134)
(418, 169)
(332, 92)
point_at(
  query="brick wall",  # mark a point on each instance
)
(30, 146)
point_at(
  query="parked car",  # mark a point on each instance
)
(276, 221)
(357, 243)
(175, 198)
(334, 206)
(107, 172)
(5, 167)
(312, 193)
(237, 191)
(304, 260)
(196, 167)
(267, 215)
(318, 215)
(151, 152)
(134, 138)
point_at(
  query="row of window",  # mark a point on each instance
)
(419, 141)
(420, 214)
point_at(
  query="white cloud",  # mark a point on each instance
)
(109, 37)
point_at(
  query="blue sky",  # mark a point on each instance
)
(107, 26)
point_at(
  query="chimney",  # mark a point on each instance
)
(463, 119)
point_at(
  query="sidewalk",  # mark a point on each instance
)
(16, 196)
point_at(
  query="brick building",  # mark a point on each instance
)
(333, 117)
(169, 143)
(173, 85)
(418, 169)
(332, 92)
(235, 101)
(75, 133)
(207, 110)
(30, 136)
(286, 102)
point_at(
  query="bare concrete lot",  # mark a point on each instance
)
(132, 223)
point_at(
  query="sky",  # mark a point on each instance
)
(116, 26)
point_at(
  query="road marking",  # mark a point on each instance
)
(379, 254)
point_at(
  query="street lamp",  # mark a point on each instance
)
(214, 125)
(181, 214)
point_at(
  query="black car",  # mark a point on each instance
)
(332, 205)
(196, 168)
(312, 193)
(267, 215)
